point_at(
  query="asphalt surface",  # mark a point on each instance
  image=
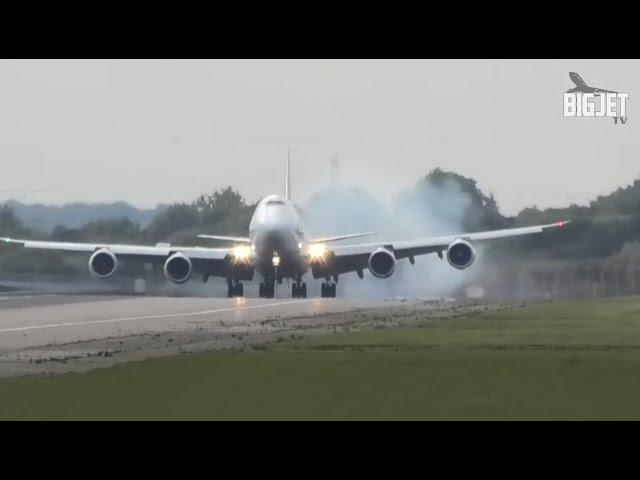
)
(44, 300)
(60, 333)
(31, 321)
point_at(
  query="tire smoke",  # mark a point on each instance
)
(425, 210)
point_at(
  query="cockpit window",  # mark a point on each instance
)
(275, 202)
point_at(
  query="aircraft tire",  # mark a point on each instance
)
(328, 290)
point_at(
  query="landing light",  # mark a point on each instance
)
(317, 251)
(276, 260)
(241, 253)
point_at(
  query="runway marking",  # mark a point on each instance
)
(24, 297)
(150, 317)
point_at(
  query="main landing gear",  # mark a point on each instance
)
(267, 289)
(299, 290)
(234, 289)
(328, 290)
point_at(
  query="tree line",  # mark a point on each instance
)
(598, 230)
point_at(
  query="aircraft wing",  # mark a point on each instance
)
(350, 258)
(205, 260)
(341, 237)
(226, 238)
(602, 90)
(315, 240)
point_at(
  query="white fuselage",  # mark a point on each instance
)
(276, 230)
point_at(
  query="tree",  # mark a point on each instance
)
(9, 223)
(220, 204)
(176, 217)
(480, 211)
(224, 212)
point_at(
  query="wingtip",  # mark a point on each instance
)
(559, 224)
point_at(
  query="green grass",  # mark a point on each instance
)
(576, 360)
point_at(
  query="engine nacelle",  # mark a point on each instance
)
(382, 263)
(461, 254)
(103, 263)
(178, 268)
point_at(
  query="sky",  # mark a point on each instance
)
(151, 132)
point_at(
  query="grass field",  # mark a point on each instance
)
(576, 360)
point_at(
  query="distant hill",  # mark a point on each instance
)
(74, 215)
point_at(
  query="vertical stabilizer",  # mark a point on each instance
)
(287, 185)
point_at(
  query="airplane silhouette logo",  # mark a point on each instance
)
(582, 87)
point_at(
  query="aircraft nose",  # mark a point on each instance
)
(275, 240)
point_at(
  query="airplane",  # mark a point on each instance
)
(278, 249)
(582, 87)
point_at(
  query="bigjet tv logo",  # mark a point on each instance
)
(586, 101)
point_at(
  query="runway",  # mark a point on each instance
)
(44, 300)
(41, 320)
(57, 333)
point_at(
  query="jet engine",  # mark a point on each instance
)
(178, 268)
(103, 263)
(460, 254)
(382, 263)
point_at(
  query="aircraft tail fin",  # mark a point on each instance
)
(287, 184)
